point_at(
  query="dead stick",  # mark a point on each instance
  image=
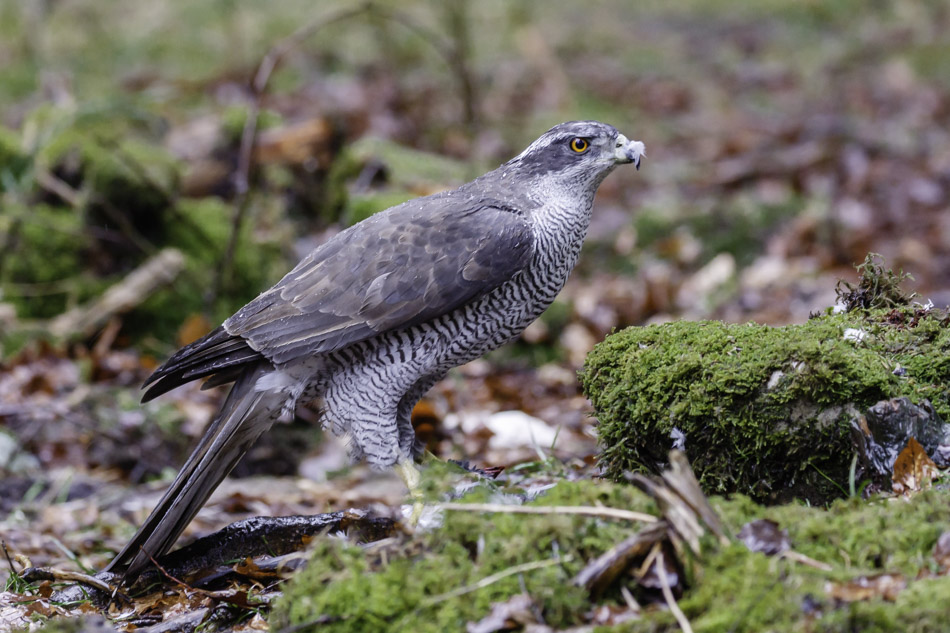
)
(122, 296)
(668, 594)
(591, 511)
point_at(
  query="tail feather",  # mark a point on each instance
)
(245, 415)
(218, 352)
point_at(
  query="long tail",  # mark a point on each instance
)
(246, 414)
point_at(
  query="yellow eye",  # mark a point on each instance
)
(579, 145)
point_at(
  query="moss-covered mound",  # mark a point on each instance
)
(765, 411)
(417, 585)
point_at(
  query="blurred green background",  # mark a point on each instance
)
(785, 140)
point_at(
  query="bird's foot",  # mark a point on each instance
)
(410, 475)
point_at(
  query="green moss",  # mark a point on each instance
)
(765, 411)
(854, 536)
(405, 590)
(411, 169)
(405, 587)
(14, 162)
(45, 249)
(877, 287)
(742, 591)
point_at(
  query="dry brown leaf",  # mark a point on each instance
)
(194, 327)
(885, 586)
(296, 144)
(913, 470)
(513, 613)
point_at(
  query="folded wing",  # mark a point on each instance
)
(400, 267)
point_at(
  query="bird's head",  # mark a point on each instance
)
(577, 154)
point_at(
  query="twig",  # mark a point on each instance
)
(78, 199)
(53, 574)
(800, 558)
(668, 594)
(249, 134)
(8, 245)
(453, 55)
(61, 188)
(590, 511)
(6, 554)
(489, 580)
(222, 596)
(461, 45)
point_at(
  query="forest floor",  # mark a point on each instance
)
(785, 142)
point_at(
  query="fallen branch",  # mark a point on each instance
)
(121, 297)
(272, 536)
(600, 573)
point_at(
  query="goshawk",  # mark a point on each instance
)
(372, 318)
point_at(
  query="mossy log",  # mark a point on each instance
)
(765, 411)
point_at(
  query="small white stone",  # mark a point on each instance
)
(775, 379)
(854, 334)
(517, 428)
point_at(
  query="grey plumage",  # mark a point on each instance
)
(371, 319)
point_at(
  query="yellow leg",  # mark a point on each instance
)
(410, 475)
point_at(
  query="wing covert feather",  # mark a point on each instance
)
(400, 267)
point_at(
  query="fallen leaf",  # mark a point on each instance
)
(764, 535)
(913, 470)
(885, 586)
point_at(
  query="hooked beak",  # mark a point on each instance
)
(628, 151)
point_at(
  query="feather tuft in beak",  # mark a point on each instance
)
(628, 151)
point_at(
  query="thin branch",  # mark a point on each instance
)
(6, 554)
(453, 55)
(249, 134)
(222, 596)
(489, 580)
(78, 199)
(668, 595)
(591, 511)
(52, 184)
